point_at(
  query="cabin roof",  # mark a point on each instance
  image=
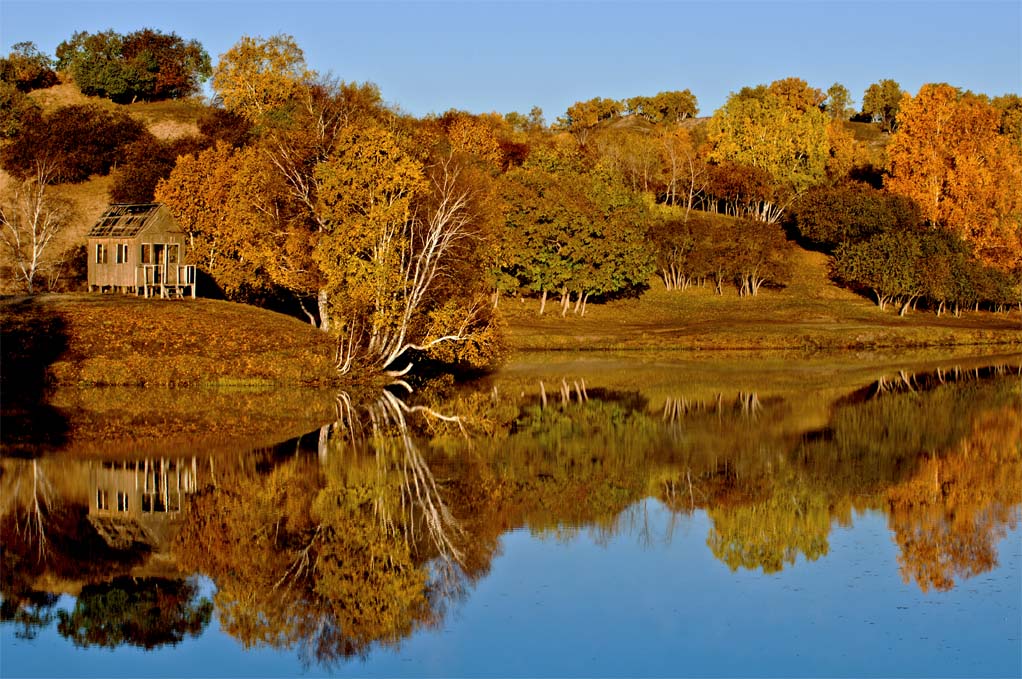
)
(124, 220)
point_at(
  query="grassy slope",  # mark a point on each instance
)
(89, 339)
(166, 120)
(811, 313)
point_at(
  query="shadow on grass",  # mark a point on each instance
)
(30, 341)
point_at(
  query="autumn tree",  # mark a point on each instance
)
(203, 193)
(27, 68)
(583, 117)
(838, 104)
(30, 217)
(664, 107)
(145, 65)
(949, 155)
(73, 142)
(778, 129)
(882, 101)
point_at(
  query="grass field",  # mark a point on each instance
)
(810, 314)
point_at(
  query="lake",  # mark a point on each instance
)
(574, 514)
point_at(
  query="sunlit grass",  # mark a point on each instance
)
(124, 340)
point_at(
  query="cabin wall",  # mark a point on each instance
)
(112, 261)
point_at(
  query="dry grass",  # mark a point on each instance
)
(88, 339)
(810, 314)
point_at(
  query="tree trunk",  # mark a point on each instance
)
(542, 303)
(324, 312)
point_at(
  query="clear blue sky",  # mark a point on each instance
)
(504, 56)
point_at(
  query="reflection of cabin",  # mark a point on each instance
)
(132, 501)
(140, 249)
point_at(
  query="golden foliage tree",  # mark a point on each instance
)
(949, 156)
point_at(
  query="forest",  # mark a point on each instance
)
(400, 236)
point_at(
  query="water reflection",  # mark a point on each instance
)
(372, 526)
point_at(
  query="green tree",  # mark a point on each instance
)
(145, 65)
(882, 101)
(839, 102)
(886, 264)
(146, 612)
(831, 215)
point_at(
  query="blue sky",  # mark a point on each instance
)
(504, 56)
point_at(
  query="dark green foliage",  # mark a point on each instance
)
(573, 232)
(831, 215)
(145, 162)
(933, 265)
(17, 111)
(146, 612)
(885, 264)
(145, 65)
(27, 68)
(75, 141)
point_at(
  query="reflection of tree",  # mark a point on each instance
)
(147, 612)
(948, 517)
(27, 503)
(29, 611)
(770, 534)
(334, 554)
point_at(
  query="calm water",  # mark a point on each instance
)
(571, 516)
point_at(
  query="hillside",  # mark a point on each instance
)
(165, 119)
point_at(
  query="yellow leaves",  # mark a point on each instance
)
(258, 77)
(949, 156)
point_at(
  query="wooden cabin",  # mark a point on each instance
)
(139, 248)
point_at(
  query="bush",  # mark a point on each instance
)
(831, 215)
(76, 141)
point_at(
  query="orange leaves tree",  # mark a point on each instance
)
(949, 155)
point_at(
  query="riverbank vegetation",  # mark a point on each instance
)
(403, 238)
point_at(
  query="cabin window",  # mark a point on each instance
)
(100, 253)
(122, 253)
(122, 502)
(101, 500)
(147, 253)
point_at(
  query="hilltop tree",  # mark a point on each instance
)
(147, 65)
(582, 117)
(839, 102)
(664, 107)
(882, 101)
(18, 111)
(778, 129)
(27, 68)
(949, 156)
(259, 77)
